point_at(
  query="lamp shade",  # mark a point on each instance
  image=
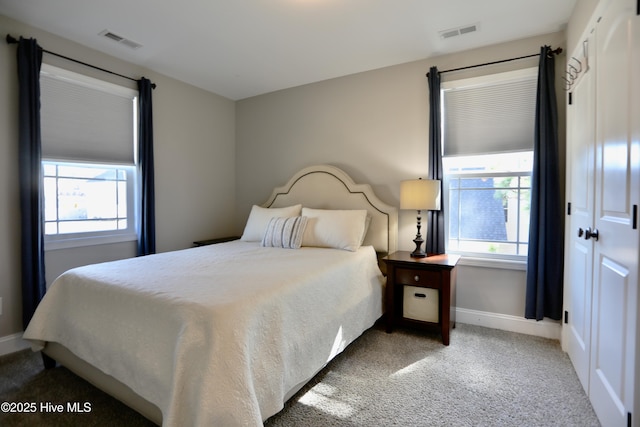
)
(420, 194)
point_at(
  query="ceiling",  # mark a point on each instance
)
(242, 48)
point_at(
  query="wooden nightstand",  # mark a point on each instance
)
(421, 292)
(216, 240)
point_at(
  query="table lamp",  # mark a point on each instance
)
(420, 194)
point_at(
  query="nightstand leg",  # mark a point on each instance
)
(389, 300)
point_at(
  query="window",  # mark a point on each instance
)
(488, 131)
(89, 170)
(82, 198)
(489, 200)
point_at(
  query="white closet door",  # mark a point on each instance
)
(634, 373)
(581, 114)
(615, 286)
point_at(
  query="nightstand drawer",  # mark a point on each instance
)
(420, 304)
(405, 276)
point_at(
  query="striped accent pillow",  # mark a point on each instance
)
(285, 232)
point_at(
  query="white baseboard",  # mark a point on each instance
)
(544, 328)
(12, 343)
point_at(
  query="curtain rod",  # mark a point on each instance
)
(13, 40)
(556, 52)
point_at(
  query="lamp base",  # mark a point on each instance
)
(418, 252)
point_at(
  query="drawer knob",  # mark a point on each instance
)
(416, 278)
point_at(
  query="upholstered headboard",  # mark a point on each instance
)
(328, 187)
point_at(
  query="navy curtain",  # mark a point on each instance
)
(147, 224)
(546, 242)
(435, 219)
(30, 177)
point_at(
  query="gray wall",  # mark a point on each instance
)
(215, 157)
(194, 163)
(374, 125)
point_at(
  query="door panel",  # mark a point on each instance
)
(579, 326)
(580, 189)
(609, 391)
(615, 275)
(611, 316)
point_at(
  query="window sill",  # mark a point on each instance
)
(53, 245)
(502, 264)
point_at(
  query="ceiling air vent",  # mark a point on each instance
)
(453, 32)
(127, 42)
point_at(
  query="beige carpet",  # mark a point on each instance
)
(485, 377)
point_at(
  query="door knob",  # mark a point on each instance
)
(588, 234)
(580, 232)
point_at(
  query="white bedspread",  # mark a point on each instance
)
(215, 335)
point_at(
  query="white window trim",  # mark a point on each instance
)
(63, 241)
(497, 261)
(92, 238)
(480, 259)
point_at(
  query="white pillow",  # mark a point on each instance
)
(259, 219)
(285, 232)
(340, 229)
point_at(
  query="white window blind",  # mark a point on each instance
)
(86, 119)
(490, 114)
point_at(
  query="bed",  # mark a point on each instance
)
(225, 334)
